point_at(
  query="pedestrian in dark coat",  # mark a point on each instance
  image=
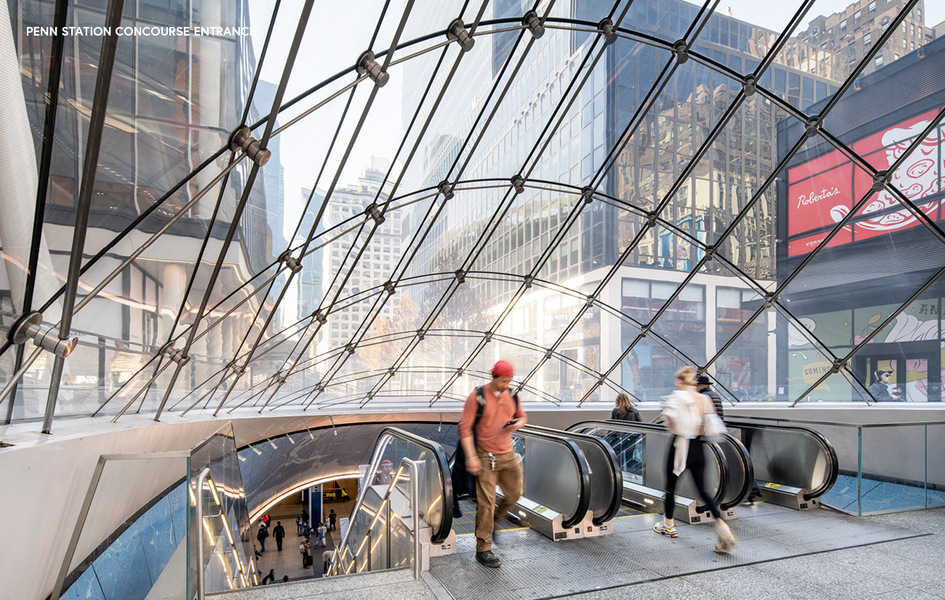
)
(261, 536)
(278, 532)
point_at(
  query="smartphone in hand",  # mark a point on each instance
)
(512, 422)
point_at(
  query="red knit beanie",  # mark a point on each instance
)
(503, 368)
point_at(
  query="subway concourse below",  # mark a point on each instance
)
(288, 562)
(782, 554)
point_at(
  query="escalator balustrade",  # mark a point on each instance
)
(793, 466)
(641, 450)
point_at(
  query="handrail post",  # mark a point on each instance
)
(926, 454)
(859, 471)
(415, 515)
(200, 567)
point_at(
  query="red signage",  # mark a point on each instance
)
(822, 191)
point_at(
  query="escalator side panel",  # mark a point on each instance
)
(739, 472)
(555, 474)
(604, 474)
(790, 456)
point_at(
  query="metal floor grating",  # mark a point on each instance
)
(535, 567)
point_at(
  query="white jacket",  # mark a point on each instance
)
(684, 420)
(682, 414)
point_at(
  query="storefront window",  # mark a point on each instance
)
(744, 366)
(649, 368)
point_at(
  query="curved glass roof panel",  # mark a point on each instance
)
(363, 208)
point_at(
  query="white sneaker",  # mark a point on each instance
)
(726, 538)
(667, 530)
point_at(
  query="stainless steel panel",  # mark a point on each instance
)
(605, 476)
(789, 456)
(551, 473)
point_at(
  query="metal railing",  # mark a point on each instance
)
(431, 495)
(344, 560)
(204, 483)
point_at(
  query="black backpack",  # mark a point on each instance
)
(464, 482)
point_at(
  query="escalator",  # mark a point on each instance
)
(642, 450)
(571, 483)
(556, 484)
(571, 488)
(793, 466)
(605, 479)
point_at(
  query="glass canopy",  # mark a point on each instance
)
(294, 206)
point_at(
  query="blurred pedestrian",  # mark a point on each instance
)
(684, 413)
(703, 385)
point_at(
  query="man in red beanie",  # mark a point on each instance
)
(490, 455)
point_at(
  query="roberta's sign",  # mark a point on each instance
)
(822, 191)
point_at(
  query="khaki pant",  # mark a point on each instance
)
(507, 474)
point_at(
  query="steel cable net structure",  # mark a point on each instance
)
(270, 207)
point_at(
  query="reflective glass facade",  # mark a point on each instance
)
(240, 207)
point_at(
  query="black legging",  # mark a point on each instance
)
(695, 462)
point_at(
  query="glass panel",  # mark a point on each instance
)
(907, 348)
(124, 547)
(551, 473)
(826, 270)
(805, 365)
(888, 451)
(935, 435)
(225, 516)
(527, 107)
(504, 108)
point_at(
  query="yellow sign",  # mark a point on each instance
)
(811, 372)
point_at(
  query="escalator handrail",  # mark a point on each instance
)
(584, 484)
(638, 426)
(616, 473)
(745, 459)
(446, 524)
(833, 464)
